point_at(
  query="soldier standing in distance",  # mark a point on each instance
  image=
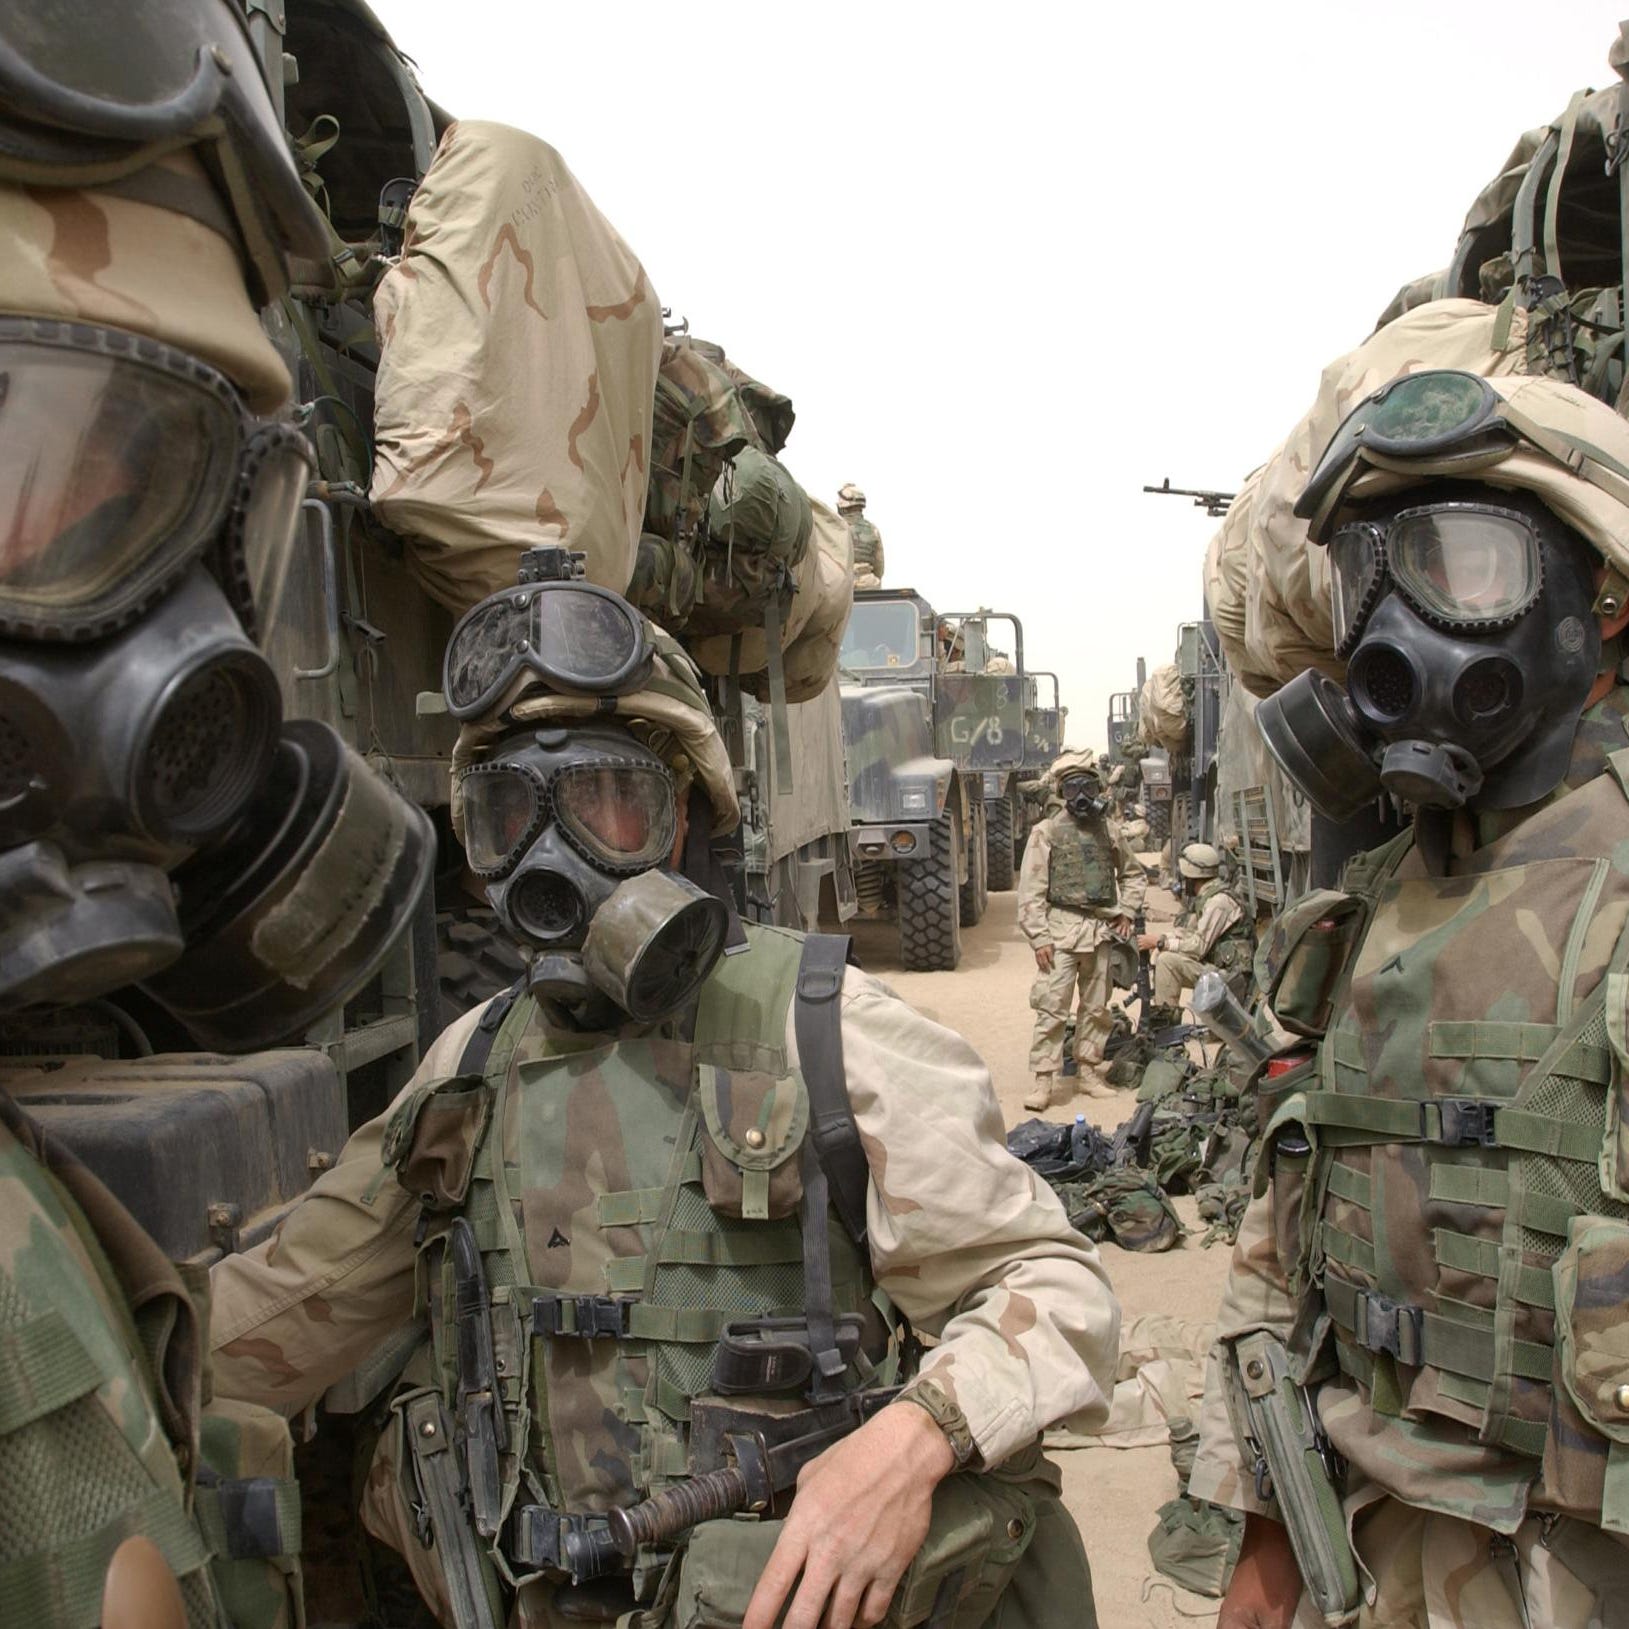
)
(146, 514)
(610, 1173)
(1441, 1252)
(1078, 891)
(1214, 930)
(867, 540)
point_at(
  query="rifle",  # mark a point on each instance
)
(741, 1460)
(1145, 984)
(1129, 1145)
(1215, 504)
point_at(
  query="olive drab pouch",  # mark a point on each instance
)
(1591, 1278)
(979, 1530)
(753, 1125)
(433, 1136)
(1615, 1148)
(248, 1508)
(1300, 963)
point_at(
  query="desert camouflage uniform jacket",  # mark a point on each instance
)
(1218, 913)
(1055, 925)
(963, 1238)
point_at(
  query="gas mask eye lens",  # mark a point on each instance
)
(1466, 566)
(277, 469)
(503, 809)
(1355, 563)
(619, 815)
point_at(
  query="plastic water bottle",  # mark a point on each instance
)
(1078, 1140)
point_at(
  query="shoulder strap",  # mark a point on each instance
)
(818, 1025)
(478, 1049)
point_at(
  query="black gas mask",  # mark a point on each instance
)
(572, 831)
(1465, 616)
(144, 766)
(1082, 796)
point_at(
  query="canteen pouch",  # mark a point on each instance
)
(1302, 960)
(753, 1124)
(248, 1508)
(433, 1136)
(1277, 1431)
(1591, 1279)
(980, 1528)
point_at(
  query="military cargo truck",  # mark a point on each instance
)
(928, 711)
(1045, 718)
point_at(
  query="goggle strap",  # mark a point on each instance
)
(1588, 462)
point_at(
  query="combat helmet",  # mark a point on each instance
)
(1199, 862)
(849, 496)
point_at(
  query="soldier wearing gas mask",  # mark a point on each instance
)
(1079, 890)
(1427, 1296)
(157, 818)
(684, 1167)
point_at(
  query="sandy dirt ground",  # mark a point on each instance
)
(1113, 1493)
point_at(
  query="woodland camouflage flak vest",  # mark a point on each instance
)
(648, 1194)
(1465, 1222)
(1237, 947)
(867, 541)
(87, 1458)
(1081, 870)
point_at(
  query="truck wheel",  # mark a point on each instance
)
(974, 894)
(475, 959)
(1159, 824)
(930, 938)
(1000, 846)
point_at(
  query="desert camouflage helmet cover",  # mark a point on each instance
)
(1268, 585)
(127, 263)
(849, 496)
(670, 716)
(1073, 763)
(1199, 862)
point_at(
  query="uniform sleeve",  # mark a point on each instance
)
(302, 1310)
(967, 1242)
(1220, 913)
(1257, 1297)
(1032, 875)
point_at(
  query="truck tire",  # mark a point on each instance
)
(1000, 842)
(930, 937)
(1159, 824)
(475, 959)
(974, 894)
(1181, 815)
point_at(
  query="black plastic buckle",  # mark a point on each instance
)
(1467, 1122)
(1388, 1326)
(539, 1538)
(592, 1317)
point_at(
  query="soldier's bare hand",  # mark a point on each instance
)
(1148, 941)
(1266, 1585)
(860, 1515)
(1043, 958)
(1122, 925)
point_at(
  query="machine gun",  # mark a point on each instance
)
(1129, 1145)
(1214, 504)
(1145, 982)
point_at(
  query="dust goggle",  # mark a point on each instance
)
(574, 636)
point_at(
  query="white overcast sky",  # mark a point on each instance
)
(1011, 261)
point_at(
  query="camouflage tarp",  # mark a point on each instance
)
(1162, 714)
(519, 343)
(816, 802)
(1268, 586)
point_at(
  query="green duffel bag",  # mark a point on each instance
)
(1196, 1544)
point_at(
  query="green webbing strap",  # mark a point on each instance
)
(1552, 203)
(687, 1326)
(64, 1584)
(1467, 1254)
(1525, 1436)
(1480, 1185)
(634, 1207)
(769, 1246)
(1426, 1339)
(466, 1573)
(1348, 1249)
(1615, 1489)
(176, 193)
(1350, 1184)
(1346, 1120)
(43, 1367)
(246, 1517)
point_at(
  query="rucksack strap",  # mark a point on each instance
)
(478, 1049)
(818, 1025)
